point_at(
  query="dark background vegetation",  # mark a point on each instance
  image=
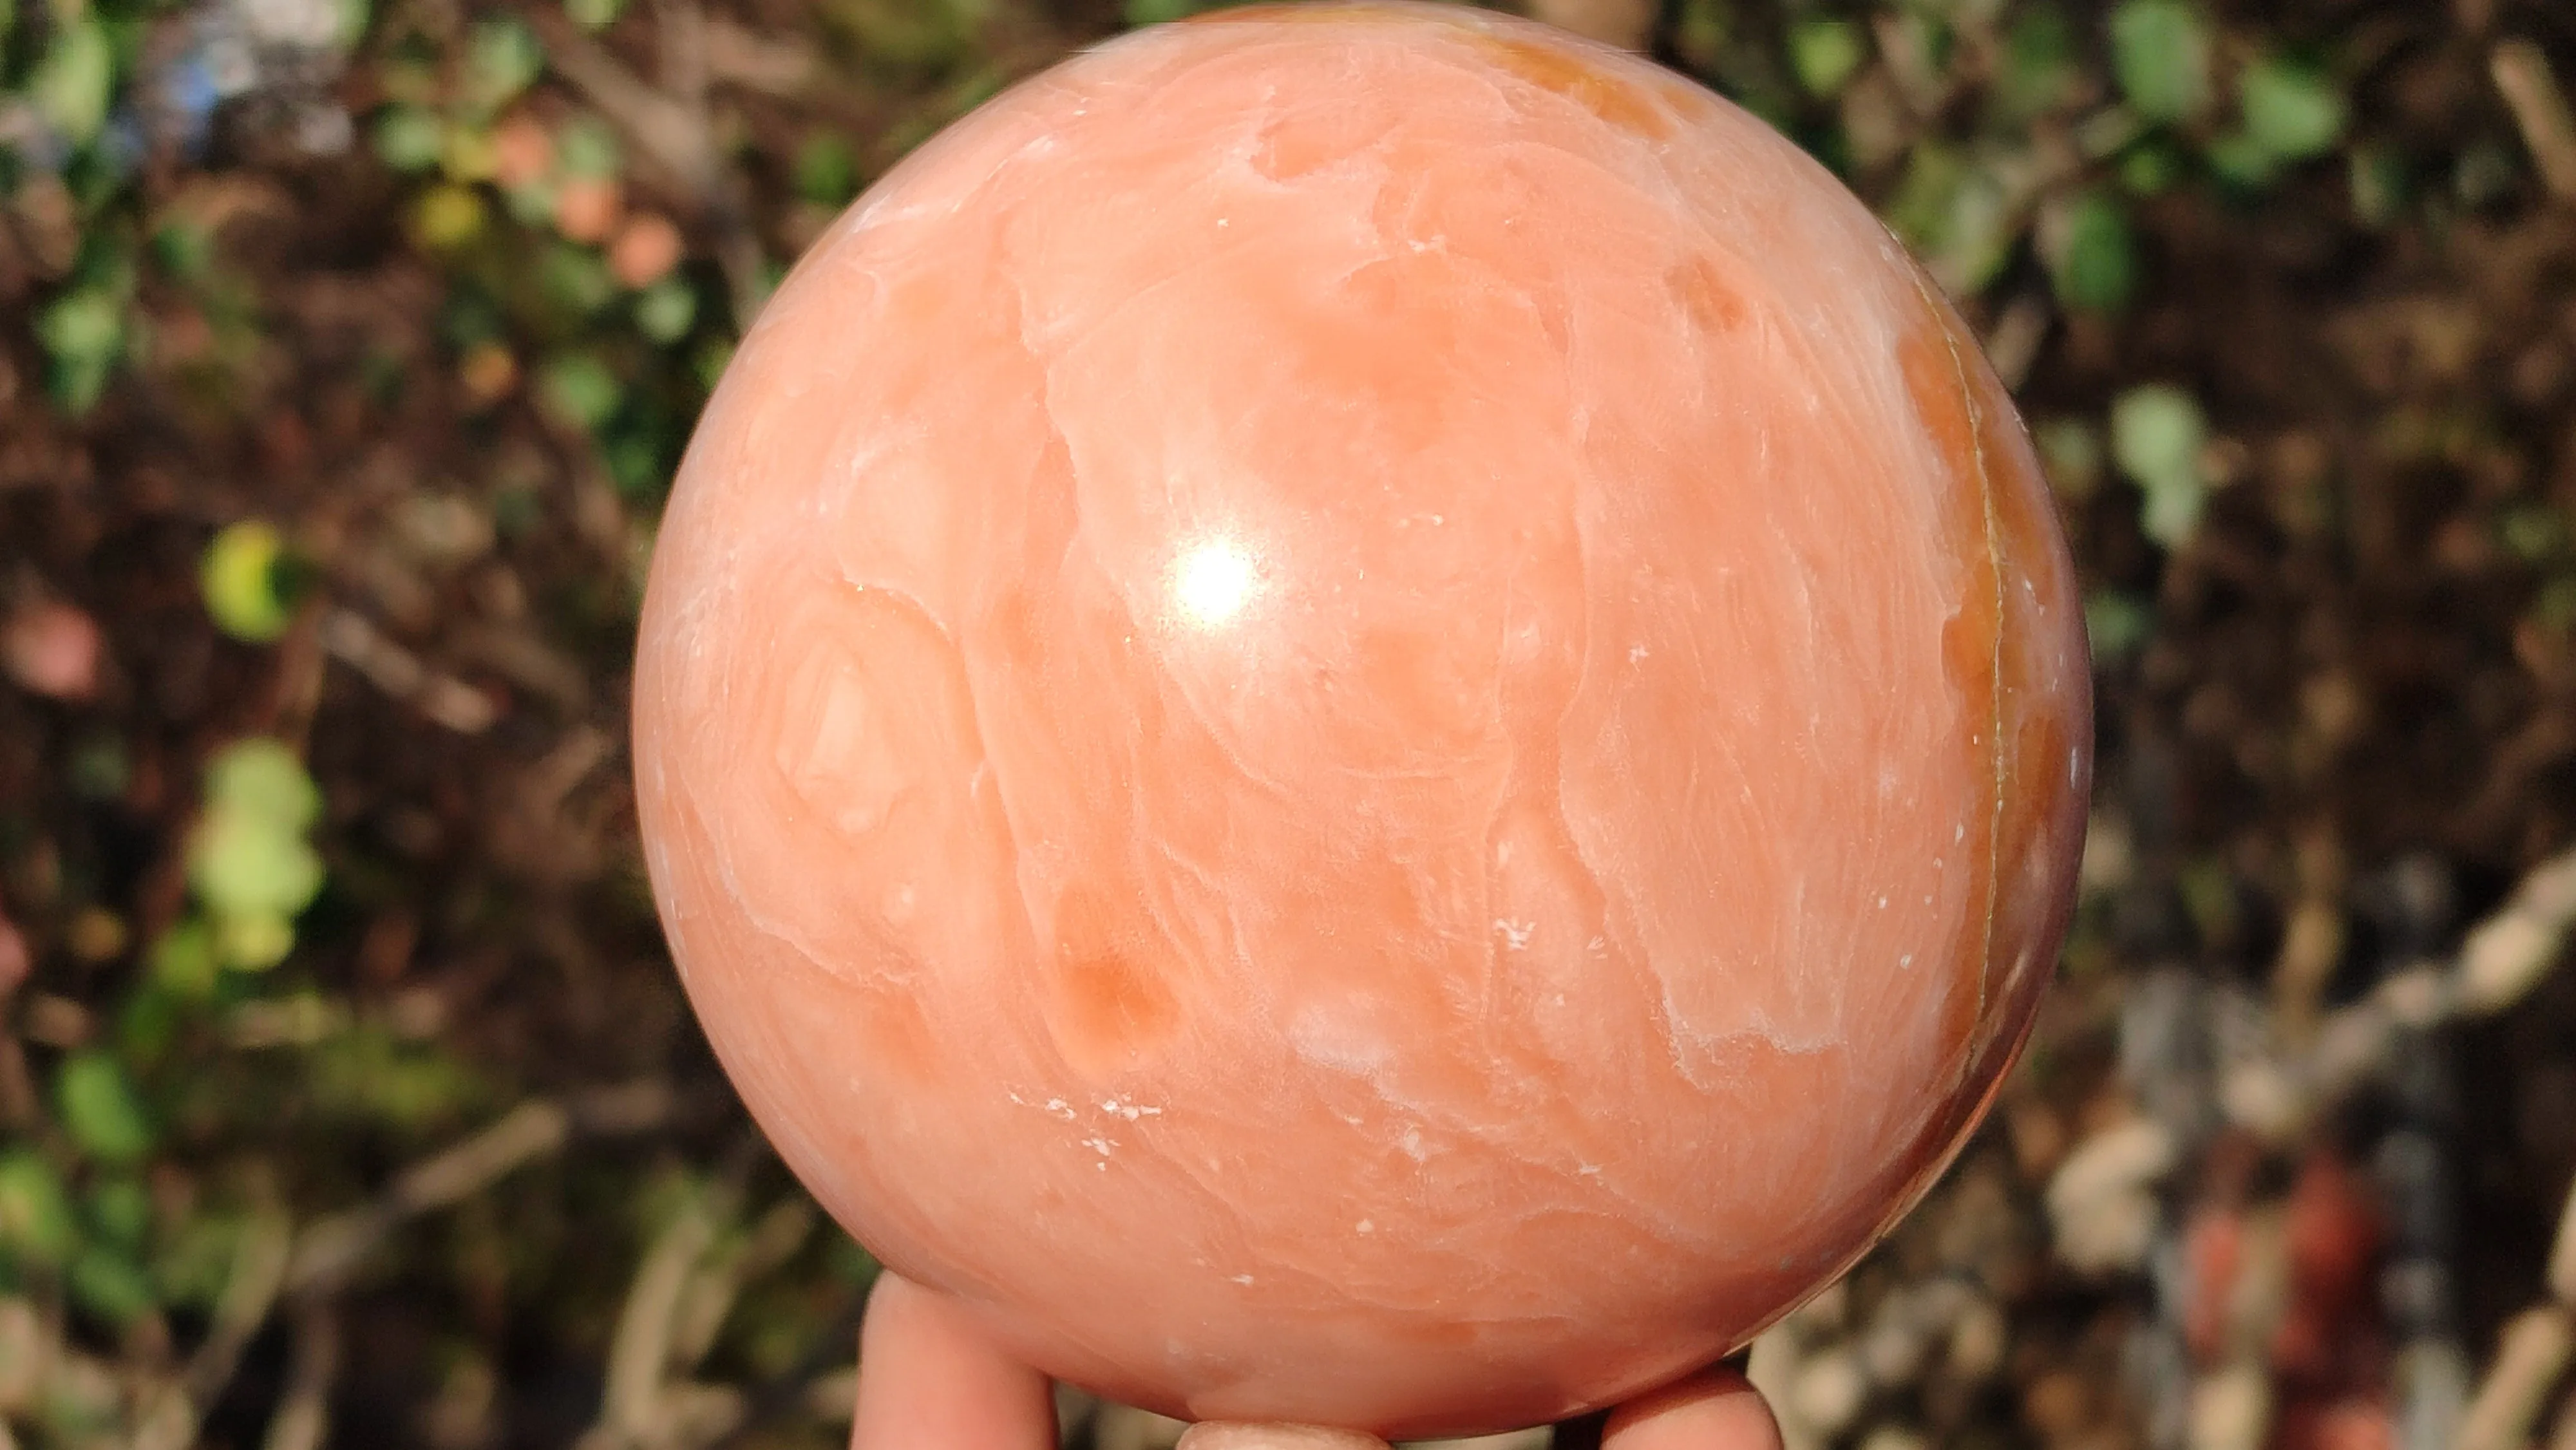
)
(346, 348)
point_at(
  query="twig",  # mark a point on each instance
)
(330, 1249)
(250, 1290)
(2539, 109)
(743, 57)
(2532, 1354)
(632, 1412)
(2562, 1254)
(2509, 952)
(711, 1291)
(303, 1418)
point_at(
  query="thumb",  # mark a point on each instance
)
(1230, 1435)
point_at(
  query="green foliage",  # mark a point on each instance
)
(248, 861)
(120, 1211)
(2116, 625)
(934, 35)
(1955, 213)
(502, 58)
(580, 389)
(243, 578)
(36, 1223)
(1157, 12)
(370, 1073)
(1825, 53)
(2160, 55)
(2379, 185)
(75, 80)
(2091, 253)
(83, 332)
(2157, 435)
(448, 218)
(827, 170)
(586, 147)
(2039, 71)
(2291, 111)
(665, 310)
(105, 1281)
(410, 139)
(574, 280)
(183, 960)
(99, 1108)
(196, 1260)
(2070, 449)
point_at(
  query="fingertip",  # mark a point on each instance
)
(930, 1378)
(1227, 1435)
(1716, 1409)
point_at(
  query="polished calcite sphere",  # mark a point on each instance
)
(1362, 715)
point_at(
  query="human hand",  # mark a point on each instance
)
(930, 1380)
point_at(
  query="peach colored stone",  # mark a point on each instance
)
(52, 648)
(1362, 716)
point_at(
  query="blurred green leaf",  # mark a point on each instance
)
(2160, 55)
(2070, 449)
(99, 1108)
(369, 1072)
(827, 170)
(2151, 167)
(2040, 72)
(2378, 179)
(2555, 609)
(410, 139)
(196, 1263)
(148, 1022)
(261, 778)
(1701, 32)
(709, 360)
(254, 941)
(246, 868)
(635, 466)
(1920, 208)
(75, 79)
(2533, 533)
(931, 35)
(2157, 434)
(183, 960)
(2116, 625)
(36, 1225)
(243, 582)
(83, 332)
(502, 58)
(581, 390)
(447, 217)
(121, 1211)
(666, 310)
(2241, 161)
(2092, 255)
(586, 147)
(107, 1282)
(594, 14)
(2291, 111)
(575, 280)
(1824, 53)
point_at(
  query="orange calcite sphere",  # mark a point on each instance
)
(1364, 716)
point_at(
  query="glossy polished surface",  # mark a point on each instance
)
(1362, 716)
